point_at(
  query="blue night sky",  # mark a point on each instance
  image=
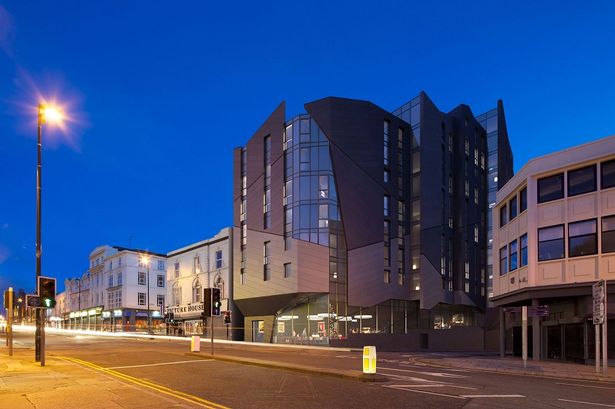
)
(160, 93)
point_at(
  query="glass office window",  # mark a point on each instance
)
(551, 243)
(513, 260)
(523, 200)
(503, 260)
(582, 180)
(608, 234)
(551, 188)
(512, 206)
(607, 174)
(523, 242)
(503, 216)
(582, 238)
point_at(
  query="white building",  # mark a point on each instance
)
(554, 232)
(190, 270)
(117, 293)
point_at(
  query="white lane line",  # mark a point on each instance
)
(604, 405)
(429, 382)
(439, 374)
(435, 385)
(492, 396)
(424, 392)
(583, 386)
(160, 364)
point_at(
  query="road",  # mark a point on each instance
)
(410, 384)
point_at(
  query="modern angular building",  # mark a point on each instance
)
(353, 222)
(555, 237)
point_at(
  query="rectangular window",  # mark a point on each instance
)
(582, 180)
(266, 265)
(386, 143)
(219, 259)
(503, 260)
(582, 238)
(551, 243)
(503, 216)
(512, 208)
(110, 280)
(119, 278)
(141, 298)
(608, 234)
(387, 176)
(512, 260)
(387, 276)
(287, 271)
(551, 188)
(176, 267)
(161, 265)
(160, 300)
(523, 200)
(160, 280)
(476, 233)
(523, 241)
(607, 174)
(141, 278)
(476, 195)
(387, 208)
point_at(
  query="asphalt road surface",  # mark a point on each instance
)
(409, 384)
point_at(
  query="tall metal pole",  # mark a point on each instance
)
(605, 343)
(149, 317)
(39, 169)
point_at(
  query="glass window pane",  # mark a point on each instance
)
(582, 228)
(551, 233)
(608, 223)
(551, 250)
(582, 245)
(523, 200)
(608, 242)
(551, 188)
(512, 205)
(608, 174)
(582, 180)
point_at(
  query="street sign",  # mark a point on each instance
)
(598, 302)
(33, 301)
(538, 311)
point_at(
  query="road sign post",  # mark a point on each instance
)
(600, 318)
(9, 320)
(524, 334)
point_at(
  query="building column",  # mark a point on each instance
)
(502, 332)
(535, 333)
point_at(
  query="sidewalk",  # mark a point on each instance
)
(514, 365)
(65, 385)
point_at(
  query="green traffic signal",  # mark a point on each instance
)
(49, 302)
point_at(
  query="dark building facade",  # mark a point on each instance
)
(355, 222)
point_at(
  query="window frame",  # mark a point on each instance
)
(512, 201)
(510, 255)
(503, 212)
(141, 274)
(595, 177)
(542, 200)
(608, 233)
(572, 254)
(504, 260)
(522, 250)
(602, 184)
(523, 200)
(563, 239)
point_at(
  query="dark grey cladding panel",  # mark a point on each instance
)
(271, 305)
(505, 155)
(355, 132)
(273, 126)
(236, 185)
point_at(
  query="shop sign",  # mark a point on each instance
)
(117, 313)
(106, 314)
(186, 309)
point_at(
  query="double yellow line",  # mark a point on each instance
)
(141, 382)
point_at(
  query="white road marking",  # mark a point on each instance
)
(160, 364)
(604, 405)
(492, 396)
(440, 374)
(583, 386)
(424, 392)
(433, 385)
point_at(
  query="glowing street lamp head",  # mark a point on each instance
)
(51, 114)
(144, 259)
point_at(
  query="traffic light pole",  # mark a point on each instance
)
(212, 334)
(39, 335)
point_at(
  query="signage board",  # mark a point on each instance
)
(598, 302)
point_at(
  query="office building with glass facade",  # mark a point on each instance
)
(354, 222)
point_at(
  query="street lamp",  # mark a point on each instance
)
(52, 115)
(145, 260)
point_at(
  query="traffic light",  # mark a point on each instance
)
(7, 296)
(207, 302)
(227, 317)
(47, 291)
(33, 300)
(216, 303)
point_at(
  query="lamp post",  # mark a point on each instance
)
(145, 260)
(45, 114)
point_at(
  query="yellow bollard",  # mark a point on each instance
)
(369, 360)
(195, 344)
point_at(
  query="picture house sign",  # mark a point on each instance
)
(187, 310)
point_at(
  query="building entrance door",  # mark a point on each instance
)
(258, 331)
